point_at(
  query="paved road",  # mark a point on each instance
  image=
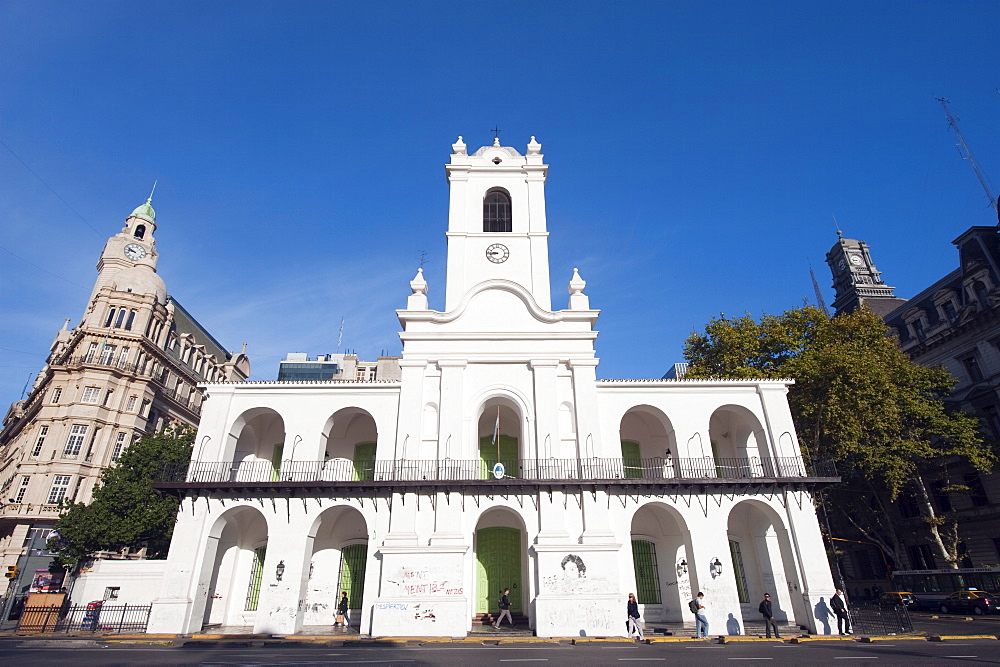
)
(892, 651)
(901, 652)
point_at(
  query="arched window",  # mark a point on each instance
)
(496, 211)
(140, 231)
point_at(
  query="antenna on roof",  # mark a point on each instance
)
(819, 294)
(150, 198)
(423, 258)
(836, 224)
(340, 336)
(966, 154)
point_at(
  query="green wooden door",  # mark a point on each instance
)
(498, 566)
(508, 455)
(256, 576)
(353, 559)
(276, 462)
(647, 575)
(631, 461)
(364, 461)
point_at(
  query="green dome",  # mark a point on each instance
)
(145, 211)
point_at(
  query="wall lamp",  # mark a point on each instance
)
(716, 567)
(280, 570)
(682, 566)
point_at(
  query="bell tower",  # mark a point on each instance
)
(496, 220)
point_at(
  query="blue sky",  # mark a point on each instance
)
(697, 152)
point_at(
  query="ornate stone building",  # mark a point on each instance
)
(954, 322)
(496, 460)
(131, 365)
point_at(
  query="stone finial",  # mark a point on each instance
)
(496, 141)
(577, 299)
(458, 148)
(418, 300)
(418, 284)
(534, 148)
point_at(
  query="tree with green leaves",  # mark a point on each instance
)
(859, 400)
(126, 512)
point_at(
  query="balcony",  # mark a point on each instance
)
(451, 474)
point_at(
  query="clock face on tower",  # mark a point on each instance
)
(135, 252)
(856, 260)
(497, 253)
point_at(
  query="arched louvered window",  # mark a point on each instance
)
(140, 231)
(496, 211)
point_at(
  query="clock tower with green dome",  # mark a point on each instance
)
(131, 365)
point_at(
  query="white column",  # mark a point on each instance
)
(278, 605)
(588, 427)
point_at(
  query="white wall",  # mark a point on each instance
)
(139, 581)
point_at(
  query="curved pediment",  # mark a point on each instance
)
(499, 305)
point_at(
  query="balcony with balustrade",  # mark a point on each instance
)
(656, 475)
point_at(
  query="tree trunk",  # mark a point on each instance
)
(940, 527)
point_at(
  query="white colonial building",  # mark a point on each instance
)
(390, 490)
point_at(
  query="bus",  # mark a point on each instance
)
(932, 586)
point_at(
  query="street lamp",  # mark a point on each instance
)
(280, 570)
(716, 567)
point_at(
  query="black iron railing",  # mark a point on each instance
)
(594, 469)
(877, 618)
(84, 618)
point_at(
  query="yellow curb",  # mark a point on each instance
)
(665, 640)
(744, 638)
(821, 638)
(608, 640)
(149, 636)
(137, 642)
(893, 638)
(941, 638)
(242, 637)
(527, 640)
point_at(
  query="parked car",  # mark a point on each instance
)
(972, 600)
(908, 600)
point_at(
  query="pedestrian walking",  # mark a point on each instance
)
(633, 618)
(700, 609)
(342, 612)
(504, 609)
(840, 609)
(767, 611)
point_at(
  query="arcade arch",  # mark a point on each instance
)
(499, 435)
(257, 441)
(762, 562)
(660, 548)
(235, 549)
(500, 546)
(338, 548)
(348, 445)
(647, 442)
(739, 445)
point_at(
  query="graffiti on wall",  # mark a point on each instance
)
(572, 578)
(422, 581)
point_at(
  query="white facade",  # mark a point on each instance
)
(297, 491)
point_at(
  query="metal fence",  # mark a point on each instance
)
(593, 469)
(77, 618)
(874, 618)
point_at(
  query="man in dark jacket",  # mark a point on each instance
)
(767, 611)
(633, 618)
(504, 609)
(840, 609)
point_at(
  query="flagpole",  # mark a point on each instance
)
(496, 434)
